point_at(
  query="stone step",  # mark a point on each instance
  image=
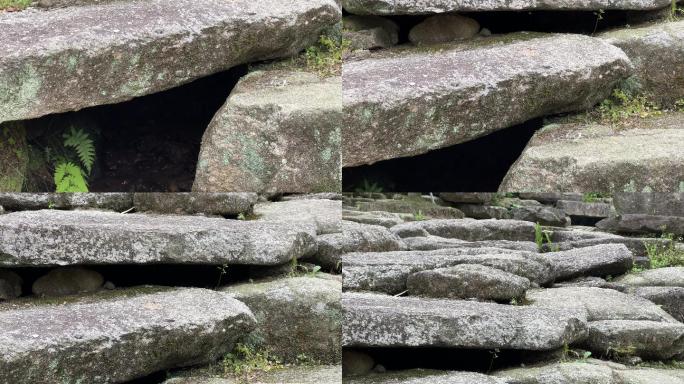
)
(67, 59)
(50, 237)
(643, 154)
(118, 336)
(393, 111)
(279, 131)
(372, 320)
(412, 7)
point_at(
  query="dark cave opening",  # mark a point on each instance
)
(148, 144)
(474, 166)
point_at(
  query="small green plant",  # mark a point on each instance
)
(223, 270)
(419, 216)
(679, 105)
(623, 105)
(368, 187)
(599, 16)
(569, 354)
(241, 216)
(591, 197)
(14, 5)
(326, 56)
(70, 176)
(245, 362)
(494, 355)
(665, 255)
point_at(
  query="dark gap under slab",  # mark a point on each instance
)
(148, 144)
(474, 166)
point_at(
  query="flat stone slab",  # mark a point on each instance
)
(469, 229)
(392, 110)
(435, 242)
(424, 376)
(412, 7)
(50, 237)
(670, 299)
(372, 320)
(68, 59)
(307, 374)
(600, 303)
(388, 272)
(659, 204)
(231, 203)
(597, 260)
(325, 215)
(136, 335)
(386, 219)
(643, 224)
(643, 155)
(648, 339)
(659, 277)
(584, 209)
(116, 201)
(279, 131)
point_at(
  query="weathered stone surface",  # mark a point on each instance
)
(657, 52)
(393, 111)
(67, 281)
(670, 299)
(600, 304)
(469, 229)
(190, 203)
(540, 214)
(647, 339)
(411, 206)
(369, 32)
(584, 209)
(136, 335)
(412, 7)
(659, 277)
(313, 196)
(638, 223)
(635, 245)
(387, 271)
(305, 374)
(71, 3)
(424, 376)
(33, 201)
(661, 204)
(325, 215)
(388, 321)
(597, 260)
(468, 197)
(10, 285)
(50, 237)
(645, 154)
(435, 242)
(296, 316)
(467, 281)
(443, 29)
(550, 197)
(68, 59)
(355, 237)
(279, 131)
(14, 156)
(385, 219)
(477, 211)
(566, 373)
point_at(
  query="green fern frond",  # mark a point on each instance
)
(69, 178)
(84, 146)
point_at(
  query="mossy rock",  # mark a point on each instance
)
(13, 156)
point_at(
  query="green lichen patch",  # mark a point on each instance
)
(13, 157)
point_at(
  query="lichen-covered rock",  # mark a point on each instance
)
(392, 110)
(50, 237)
(369, 32)
(660, 204)
(643, 224)
(643, 155)
(71, 58)
(296, 316)
(279, 131)
(355, 237)
(67, 281)
(443, 29)
(469, 229)
(14, 156)
(412, 7)
(659, 277)
(325, 215)
(117, 338)
(657, 52)
(651, 340)
(115, 201)
(229, 204)
(425, 376)
(10, 285)
(372, 320)
(468, 281)
(597, 260)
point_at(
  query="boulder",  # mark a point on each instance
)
(372, 320)
(443, 29)
(296, 316)
(135, 331)
(10, 284)
(657, 52)
(643, 224)
(597, 260)
(79, 57)
(392, 110)
(325, 215)
(670, 299)
(388, 271)
(468, 281)
(355, 237)
(115, 201)
(600, 303)
(14, 156)
(469, 229)
(50, 237)
(369, 32)
(228, 204)
(67, 281)
(584, 209)
(659, 277)
(412, 7)
(425, 376)
(435, 242)
(279, 131)
(650, 340)
(659, 204)
(644, 154)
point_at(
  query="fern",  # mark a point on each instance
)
(83, 145)
(69, 178)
